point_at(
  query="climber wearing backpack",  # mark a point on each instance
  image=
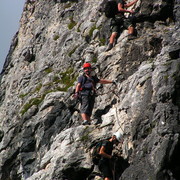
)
(107, 159)
(86, 90)
(119, 20)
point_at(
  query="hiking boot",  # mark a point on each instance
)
(131, 37)
(86, 122)
(110, 46)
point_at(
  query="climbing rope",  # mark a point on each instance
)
(120, 127)
(114, 92)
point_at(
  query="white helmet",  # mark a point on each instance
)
(118, 136)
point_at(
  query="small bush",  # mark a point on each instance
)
(78, 29)
(56, 79)
(72, 23)
(34, 101)
(56, 37)
(37, 89)
(91, 30)
(86, 135)
(68, 78)
(48, 70)
(94, 60)
(72, 51)
(23, 95)
(102, 41)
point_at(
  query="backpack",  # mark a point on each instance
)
(84, 79)
(95, 156)
(110, 8)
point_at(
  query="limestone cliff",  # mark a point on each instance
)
(41, 136)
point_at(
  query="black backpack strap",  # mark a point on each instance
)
(84, 79)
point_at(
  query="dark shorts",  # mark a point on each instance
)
(118, 22)
(87, 104)
(105, 168)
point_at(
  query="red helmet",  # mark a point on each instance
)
(86, 65)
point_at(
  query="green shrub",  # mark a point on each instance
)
(94, 60)
(56, 37)
(72, 51)
(86, 135)
(56, 79)
(48, 70)
(23, 95)
(85, 138)
(78, 29)
(91, 30)
(37, 89)
(102, 41)
(68, 78)
(34, 101)
(72, 23)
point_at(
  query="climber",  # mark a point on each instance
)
(120, 20)
(85, 91)
(107, 159)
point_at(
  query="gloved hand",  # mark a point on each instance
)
(114, 83)
(75, 96)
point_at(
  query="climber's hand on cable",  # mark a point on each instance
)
(75, 95)
(114, 82)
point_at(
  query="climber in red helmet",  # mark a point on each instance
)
(85, 90)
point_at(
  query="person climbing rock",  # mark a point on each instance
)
(105, 163)
(119, 20)
(86, 91)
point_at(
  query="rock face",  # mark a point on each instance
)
(41, 136)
